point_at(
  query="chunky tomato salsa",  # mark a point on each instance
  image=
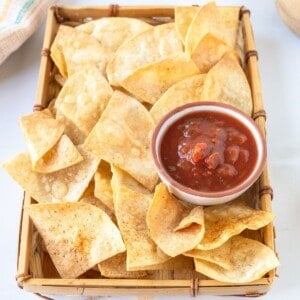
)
(208, 151)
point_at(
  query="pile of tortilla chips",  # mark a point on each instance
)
(96, 196)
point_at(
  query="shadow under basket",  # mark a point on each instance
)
(35, 270)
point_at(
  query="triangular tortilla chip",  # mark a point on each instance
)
(147, 47)
(115, 267)
(41, 132)
(183, 92)
(83, 98)
(249, 261)
(131, 208)
(180, 227)
(229, 219)
(73, 50)
(64, 154)
(65, 185)
(122, 137)
(148, 83)
(76, 235)
(226, 82)
(111, 33)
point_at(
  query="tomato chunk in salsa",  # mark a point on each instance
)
(208, 151)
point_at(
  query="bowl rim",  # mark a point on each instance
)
(226, 108)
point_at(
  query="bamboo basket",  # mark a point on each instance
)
(35, 270)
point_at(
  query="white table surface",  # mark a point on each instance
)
(279, 61)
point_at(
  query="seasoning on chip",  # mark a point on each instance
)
(229, 219)
(247, 260)
(76, 235)
(66, 185)
(131, 208)
(147, 47)
(180, 228)
(122, 137)
(83, 98)
(41, 132)
(148, 83)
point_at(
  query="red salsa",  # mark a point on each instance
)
(208, 151)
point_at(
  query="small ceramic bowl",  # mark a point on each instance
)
(207, 197)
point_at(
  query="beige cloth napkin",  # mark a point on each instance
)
(18, 20)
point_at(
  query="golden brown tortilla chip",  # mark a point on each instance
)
(147, 47)
(83, 98)
(148, 83)
(63, 155)
(76, 235)
(229, 219)
(103, 189)
(111, 33)
(41, 132)
(73, 50)
(249, 261)
(180, 227)
(65, 185)
(183, 92)
(115, 267)
(131, 208)
(226, 82)
(122, 137)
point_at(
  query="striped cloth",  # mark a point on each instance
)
(18, 20)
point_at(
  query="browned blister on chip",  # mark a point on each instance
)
(245, 260)
(122, 137)
(76, 235)
(180, 228)
(229, 219)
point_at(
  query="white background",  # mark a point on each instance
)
(279, 61)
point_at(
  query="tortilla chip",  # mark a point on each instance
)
(111, 33)
(174, 227)
(131, 208)
(115, 267)
(73, 50)
(64, 154)
(147, 47)
(122, 137)
(208, 20)
(103, 189)
(183, 92)
(148, 83)
(226, 82)
(229, 219)
(65, 185)
(76, 235)
(83, 98)
(249, 261)
(185, 14)
(41, 132)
